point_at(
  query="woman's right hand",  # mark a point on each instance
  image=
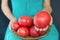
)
(12, 21)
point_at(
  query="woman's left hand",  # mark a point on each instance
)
(49, 10)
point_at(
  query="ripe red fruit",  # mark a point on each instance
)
(42, 33)
(25, 21)
(42, 19)
(33, 32)
(23, 32)
(15, 26)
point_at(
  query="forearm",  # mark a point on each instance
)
(47, 6)
(46, 2)
(6, 11)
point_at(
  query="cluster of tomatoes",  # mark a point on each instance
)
(33, 27)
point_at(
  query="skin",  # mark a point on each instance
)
(8, 13)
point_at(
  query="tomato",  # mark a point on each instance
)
(23, 32)
(42, 33)
(25, 21)
(33, 32)
(15, 26)
(42, 19)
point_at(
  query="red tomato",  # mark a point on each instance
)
(42, 32)
(33, 32)
(15, 26)
(23, 32)
(42, 19)
(25, 21)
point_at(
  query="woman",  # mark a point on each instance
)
(30, 8)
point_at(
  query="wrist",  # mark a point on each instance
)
(13, 19)
(48, 9)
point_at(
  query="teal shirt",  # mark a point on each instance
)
(28, 8)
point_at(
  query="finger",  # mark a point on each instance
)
(51, 21)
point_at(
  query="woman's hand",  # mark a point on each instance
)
(49, 10)
(11, 22)
(47, 7)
